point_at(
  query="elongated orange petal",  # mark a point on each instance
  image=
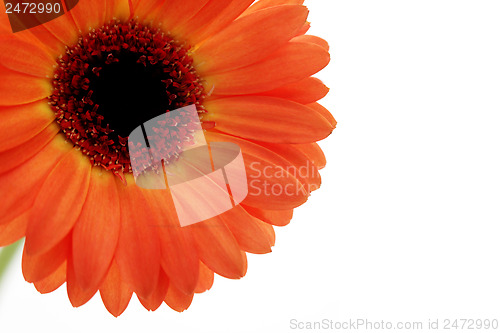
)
(115, 293)
(314, 153)
(61, 195)
(301, 59)
(25, 57)
(206, 280)
(95, 234)
(218, 248)
(271, 185)
(77, 296)
(303, 168)
(268, 229)
(154, 301)
(52, 44)
(36, 268)
(138, 251)
(119, 9)
(176, 12)
(18, 192)
(278, 218)
(88, 14)
(21, 123)
(204, 17)
(324, 112)
(250, 236)
(223, 19)
(304, 29)
(18, 155)
(53, 281)
(306, 91)
(313, 40)
(146, 11)
(62, 30)
(179, 257)
(177, 300)
(17, 88)
(134, 4)
(267, 119)
(4, 21)
(263, 4)
(257, 35)
(14, 230)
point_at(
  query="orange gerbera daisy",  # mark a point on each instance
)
(73, 89)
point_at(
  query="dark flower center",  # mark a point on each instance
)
(115, 79)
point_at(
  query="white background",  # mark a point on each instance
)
(405, 224)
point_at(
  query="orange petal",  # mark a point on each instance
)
(204, 17)
(4, 21)
(77, 295)
(324, 112)
(264, 4)
(88, 15)
(17, 88)
(268, 230)
(14, 230)
(53, 281)
(145, 11)
(133, 4)
(250, 39)
(247, 231)
(176, 12)
(177, 300)
(306, 91)
(179, 257)
(218, 249)
(138, 251)
(206, 279)
(278, 218)
(59, 203)
(119, 9)
(21, 123)
(304, 29)
(154, 301)
(18, 192)
(314, 153)
(50, 41)
(20, 154)
(36, 268)
(303, 168)
(115, 293)
(24, 57)
(223, 19)
(58, 33)
(292, 62)
(267, 119)
(270, 184)
(313, 40)
(95, 234)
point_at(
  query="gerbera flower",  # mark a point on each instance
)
(73, 89)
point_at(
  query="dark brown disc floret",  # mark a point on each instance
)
(115, 79)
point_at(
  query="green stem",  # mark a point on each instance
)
(6, 255)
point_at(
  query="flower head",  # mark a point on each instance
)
(74, 88)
